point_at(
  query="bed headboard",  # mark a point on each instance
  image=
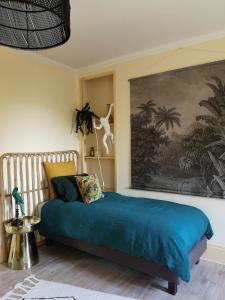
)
(25, 171)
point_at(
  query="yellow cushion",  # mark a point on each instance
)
(58, 169)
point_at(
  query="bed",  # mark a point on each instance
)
(127, 233)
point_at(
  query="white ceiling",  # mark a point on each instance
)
(106, 29)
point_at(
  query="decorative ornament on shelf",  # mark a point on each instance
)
(19, 204)
(84, 120)
(104, 124)
(34, 24)
(92, 152)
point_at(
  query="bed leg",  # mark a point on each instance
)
(172, 288)
(48, 242)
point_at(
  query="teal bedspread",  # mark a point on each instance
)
(160, 231)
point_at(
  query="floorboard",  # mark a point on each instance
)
(66, 265)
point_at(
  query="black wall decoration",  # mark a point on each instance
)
(178, 131)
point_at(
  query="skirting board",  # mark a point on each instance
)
(215, 254)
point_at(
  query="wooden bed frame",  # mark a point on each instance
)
(26, 171)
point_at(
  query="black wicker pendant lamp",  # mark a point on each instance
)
(34, 24)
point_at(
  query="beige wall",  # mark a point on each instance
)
(193, 55)
(36, 100)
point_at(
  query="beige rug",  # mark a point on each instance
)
(34, 289)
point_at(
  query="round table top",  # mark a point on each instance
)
(29, 223)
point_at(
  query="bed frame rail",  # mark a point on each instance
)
(136, 263)
(25, 171)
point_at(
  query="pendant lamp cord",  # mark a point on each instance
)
(99, 161)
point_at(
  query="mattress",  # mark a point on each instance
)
(160, 231)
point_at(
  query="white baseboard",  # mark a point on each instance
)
(215, 254)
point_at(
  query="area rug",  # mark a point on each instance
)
(32, 288)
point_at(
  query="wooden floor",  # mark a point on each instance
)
(66, 265)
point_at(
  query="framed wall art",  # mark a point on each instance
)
(178, 131)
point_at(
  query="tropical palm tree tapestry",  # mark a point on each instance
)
(178, 131)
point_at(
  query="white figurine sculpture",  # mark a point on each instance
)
(104, 123)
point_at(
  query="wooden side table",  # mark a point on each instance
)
(23, 252)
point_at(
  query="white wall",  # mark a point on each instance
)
(36, 102)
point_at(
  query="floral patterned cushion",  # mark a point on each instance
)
(89, 188)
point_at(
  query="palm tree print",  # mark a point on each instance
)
(216, 119)
(147, 110)
(167, 117)
(179, 150)
(147, 140)
(215, 105)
